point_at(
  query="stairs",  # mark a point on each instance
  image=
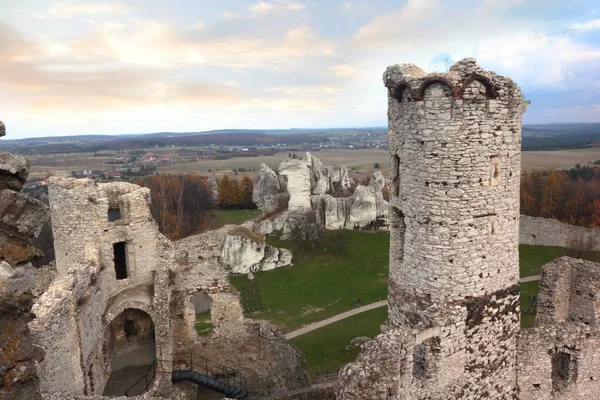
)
(201, 371)
(206, 381)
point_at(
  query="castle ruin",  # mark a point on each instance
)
(125, 297)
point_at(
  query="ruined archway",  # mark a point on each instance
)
(129, 351)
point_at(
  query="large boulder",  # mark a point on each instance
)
(21, 218)
(298, 172)
(363, 207)
(244, 251)
(266, 189)
(14, 170)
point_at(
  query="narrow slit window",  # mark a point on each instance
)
(120, 260)
(496, 171)
(395, 174)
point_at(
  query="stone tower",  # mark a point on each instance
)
(455, 141)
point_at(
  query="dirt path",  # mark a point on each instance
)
(335, 318)
(346, 314)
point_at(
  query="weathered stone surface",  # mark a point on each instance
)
(265, 358)
(244, 252)
(266, 189)
(80, 318)
(21, 218)
(17, 281)
(14, 170)
(454, 141)
(330, 192)
(298, 175)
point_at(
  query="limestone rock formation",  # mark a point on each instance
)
(245, 251)
(328, 191)
(21, 218)
(267, 189)
(13, 171)
(298, 173)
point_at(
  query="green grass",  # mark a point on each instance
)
(532, 258)
(203, 324)
(330, 278)
(235, 217)
(527, 289)
(325, 283)
(324, 348)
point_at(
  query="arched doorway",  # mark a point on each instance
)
(130, 350)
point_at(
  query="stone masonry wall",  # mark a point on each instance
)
(548, 232)
(80, 319)
(453, 297)
(558, 357)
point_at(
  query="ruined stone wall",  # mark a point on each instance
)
(453, 297)
(74, 315)
(568, 292)
(95, 313)
(549, 232)
(558, 357)
(559, 362)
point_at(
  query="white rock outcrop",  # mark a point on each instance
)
(329, 191)
(244, 251)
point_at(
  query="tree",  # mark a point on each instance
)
(306, 232)
(178, 202)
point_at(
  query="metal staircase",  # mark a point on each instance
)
(199, 370)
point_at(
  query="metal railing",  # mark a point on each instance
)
(323, 376)
(229, 379)
(144, 383)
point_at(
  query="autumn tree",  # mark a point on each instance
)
(179, 203)
(236, 193)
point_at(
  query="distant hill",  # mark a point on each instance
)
(535, 137)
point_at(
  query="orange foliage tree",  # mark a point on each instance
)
(179, 202)
(571, 196)
(234, 193)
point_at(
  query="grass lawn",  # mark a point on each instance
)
(528, 289)
(327, 282)
(324, 349)
(331, 278)
(203, 324)
(532, 258)
(236, 217)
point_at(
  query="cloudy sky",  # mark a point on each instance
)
(130, 66)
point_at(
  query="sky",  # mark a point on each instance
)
(138, 66)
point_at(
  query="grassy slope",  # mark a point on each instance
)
(324, 348)
(236, 217)
(324, 284)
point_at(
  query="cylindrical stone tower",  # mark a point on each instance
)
(455, 143)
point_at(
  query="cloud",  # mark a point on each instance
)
(501, 5)
(537, 60)
(588, 26)
(262, 8)
(153, 44)
(387, 25)
(343, 70)
(71, 9)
